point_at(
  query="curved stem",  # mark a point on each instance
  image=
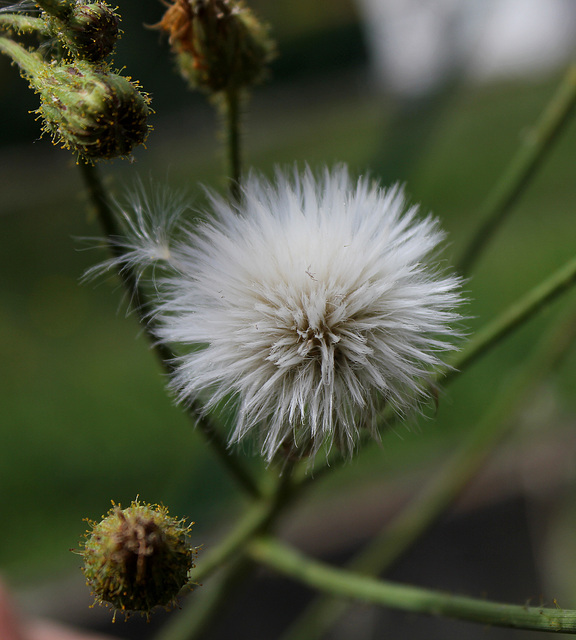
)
(346, 584)
(28, 62)
(454, 475)
(257, 520)
(141, 305)
(536, 145)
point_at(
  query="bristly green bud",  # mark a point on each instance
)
(97, 114)
(219, 44)
(90, 31)
(94, 112)
(137, 558)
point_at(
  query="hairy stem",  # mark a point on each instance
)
(31, 64)
(534, 149)
(141, 306)
(22, 23)
(346, 584)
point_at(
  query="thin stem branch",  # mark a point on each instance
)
(208, 603)
(517, 314)
(455, 474)
(232, 112)
(142, 308)
(258, 520)
(513, 182)
(346, 584)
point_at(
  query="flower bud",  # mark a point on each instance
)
(88, 109)
(90, 32)
(220, 45)
(137, 558)
(93, 112)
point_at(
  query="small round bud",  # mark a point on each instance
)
(137, 558)
(220, 45)
(90, 32)
(93, 112)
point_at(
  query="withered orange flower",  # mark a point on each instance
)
(177, 22)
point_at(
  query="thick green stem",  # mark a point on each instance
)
(28, 62)
(141, 305)
(454, 475)
(536, 145)
(346, 584)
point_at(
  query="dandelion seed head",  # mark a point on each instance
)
(312, 302)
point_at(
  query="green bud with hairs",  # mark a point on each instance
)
(89, 32)
(92, 111)
(137, 558)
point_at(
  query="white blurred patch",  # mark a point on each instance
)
(417, 44)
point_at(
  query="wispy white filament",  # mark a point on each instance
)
(311, 303)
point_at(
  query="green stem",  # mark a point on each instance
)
(232, 128)
(444, 488)
(208, 603)
(141, 305)
(22, 23)
(481, 440)
(536, 145)
(346, 584)
(254, 520)
(28, 62)
(517, 314)
(257, 520)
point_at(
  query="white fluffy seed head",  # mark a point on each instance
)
(311, 303)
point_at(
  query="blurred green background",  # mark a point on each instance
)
(84, 415)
